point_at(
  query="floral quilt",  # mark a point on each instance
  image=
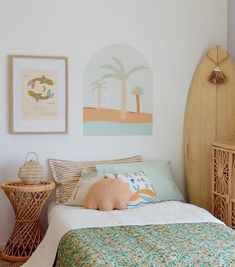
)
(195, 244)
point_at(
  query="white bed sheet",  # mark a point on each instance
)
(64, 218)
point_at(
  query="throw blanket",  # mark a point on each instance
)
(65, 218)
(195, 244)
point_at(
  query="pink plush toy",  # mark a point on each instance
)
(108, 194)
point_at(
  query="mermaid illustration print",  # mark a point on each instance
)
(46, 93)
(40, 94)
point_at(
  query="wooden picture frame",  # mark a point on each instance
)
(39, 94)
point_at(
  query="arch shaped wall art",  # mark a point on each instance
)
(118, 93)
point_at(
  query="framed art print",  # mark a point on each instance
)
(39, 94)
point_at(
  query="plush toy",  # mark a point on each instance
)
(108, 194)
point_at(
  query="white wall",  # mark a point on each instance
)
(173, 36)
(231, 28)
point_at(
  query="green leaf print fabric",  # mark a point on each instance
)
(195, 244)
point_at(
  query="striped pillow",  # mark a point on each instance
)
(67, 173)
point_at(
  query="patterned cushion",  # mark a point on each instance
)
(67, 174)
(158, 172)
(80, 191)
(142, 190)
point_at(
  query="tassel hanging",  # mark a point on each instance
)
(217, 77)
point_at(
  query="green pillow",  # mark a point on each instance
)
(158, 172)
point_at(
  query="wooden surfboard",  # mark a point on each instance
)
(209, 117)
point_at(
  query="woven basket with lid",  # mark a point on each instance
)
(31, 172)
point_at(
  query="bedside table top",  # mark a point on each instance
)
(19, 186)
(226, 144)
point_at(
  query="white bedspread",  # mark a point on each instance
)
(64, 218)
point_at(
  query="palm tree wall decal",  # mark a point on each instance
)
(97, 86)
(137, 91)
(118, 72)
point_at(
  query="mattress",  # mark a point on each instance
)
(63, 219)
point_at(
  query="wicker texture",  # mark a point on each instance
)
(31, 172)
(4, 263)
(66, 174)
(27, 202)
(223, 183)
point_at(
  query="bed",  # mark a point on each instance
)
(169, 233)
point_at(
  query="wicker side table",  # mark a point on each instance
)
(27, 201)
